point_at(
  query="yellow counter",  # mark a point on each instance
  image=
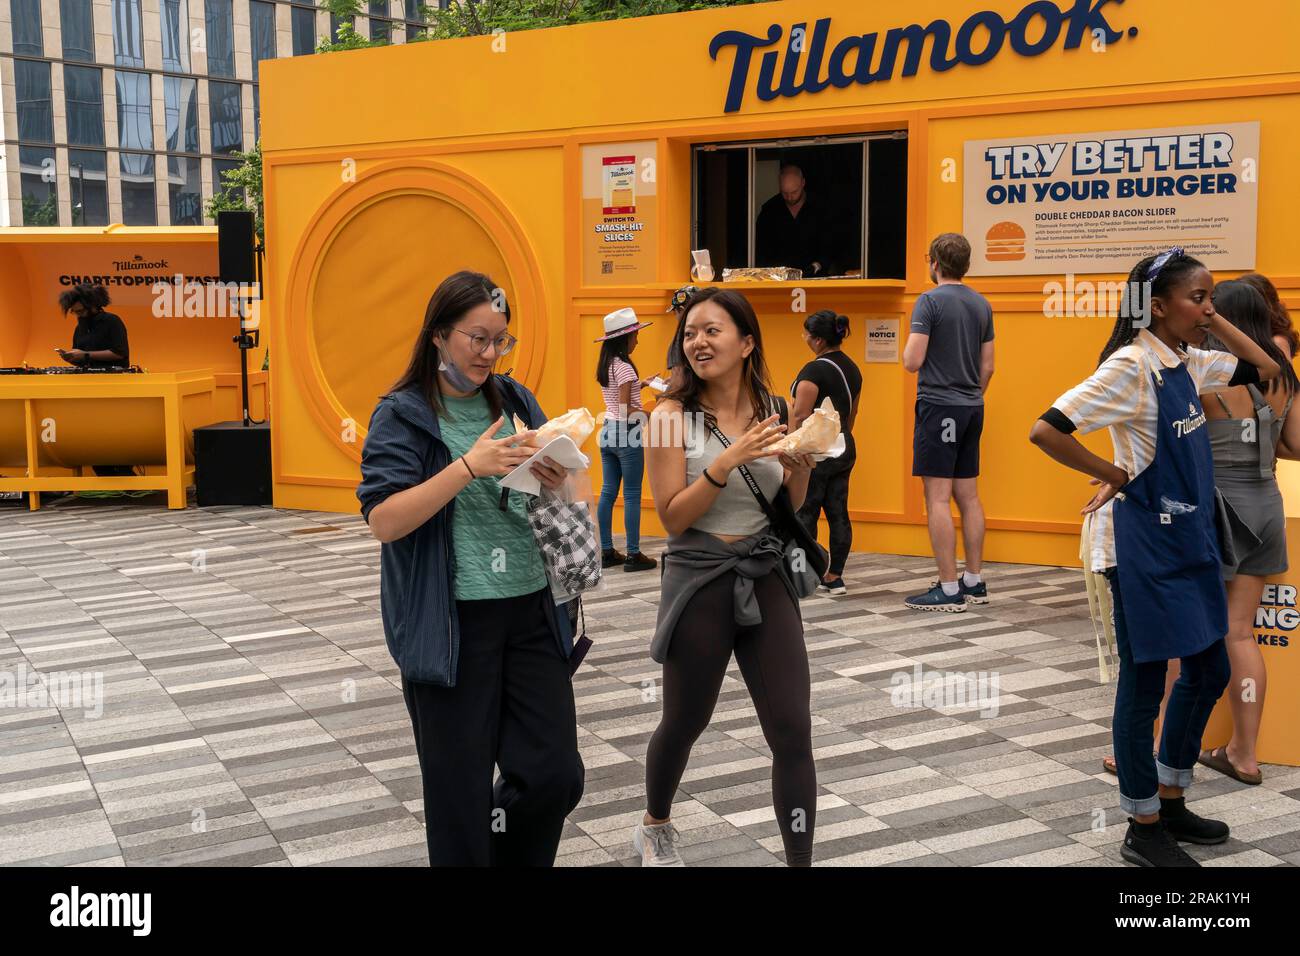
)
(54, 428)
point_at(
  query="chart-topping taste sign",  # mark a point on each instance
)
(1098, 202)
(854, 59)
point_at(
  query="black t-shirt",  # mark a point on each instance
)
(102, 331)
(825, 372)
(796, 241)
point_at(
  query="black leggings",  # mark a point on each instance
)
(829, 492)
(774, 663)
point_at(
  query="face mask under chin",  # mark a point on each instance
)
(454, 376)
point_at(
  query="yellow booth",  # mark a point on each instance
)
(56, 425)
(581, 167)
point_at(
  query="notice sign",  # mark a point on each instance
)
(619, 209)
(882, 340)
(1099, 202)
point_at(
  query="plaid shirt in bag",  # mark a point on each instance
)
(567, 540)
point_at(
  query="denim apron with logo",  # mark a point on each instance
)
(1166, 541)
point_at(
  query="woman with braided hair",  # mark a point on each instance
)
(1153, 533)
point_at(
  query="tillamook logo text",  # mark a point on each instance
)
(1194, 420)
(856, 60)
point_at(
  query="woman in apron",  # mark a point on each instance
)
(1153, 533)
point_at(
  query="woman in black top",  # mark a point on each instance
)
(99, 340)
(833, 375)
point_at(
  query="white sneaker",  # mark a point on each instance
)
(657, 844)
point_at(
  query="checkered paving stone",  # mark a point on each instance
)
(252, 715)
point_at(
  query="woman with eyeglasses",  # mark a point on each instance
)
(468, 615)
(1153, 532)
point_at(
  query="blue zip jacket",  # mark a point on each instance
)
(404, 448)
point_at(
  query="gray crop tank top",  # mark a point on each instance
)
(735, 510)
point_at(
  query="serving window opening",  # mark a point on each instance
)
(828, 206)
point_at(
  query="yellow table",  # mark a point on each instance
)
(54, 428)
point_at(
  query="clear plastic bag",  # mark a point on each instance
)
(563, 522)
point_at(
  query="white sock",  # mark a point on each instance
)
(970, 580)
(949, 587)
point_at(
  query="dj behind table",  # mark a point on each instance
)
(99, 340)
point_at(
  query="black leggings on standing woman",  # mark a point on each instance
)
(828, 490)
(774, 663)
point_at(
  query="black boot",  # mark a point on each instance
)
(1150, 844)
(611, 558)
(1185, 825)
(636, 561)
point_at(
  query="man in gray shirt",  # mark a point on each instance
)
(950, 346)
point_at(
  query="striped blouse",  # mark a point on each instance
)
(1120, 396)
(620, 373)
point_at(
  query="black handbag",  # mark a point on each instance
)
(806, 561)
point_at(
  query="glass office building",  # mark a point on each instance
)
(130, 110)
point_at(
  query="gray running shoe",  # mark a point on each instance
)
(657, 844)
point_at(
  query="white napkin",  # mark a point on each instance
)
(835, 450)
(560, 450)
(658, 384)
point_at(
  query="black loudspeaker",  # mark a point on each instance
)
(232, 464)
(235, 261)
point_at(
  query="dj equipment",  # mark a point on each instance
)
(70, 370)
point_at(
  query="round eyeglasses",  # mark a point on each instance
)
(480, 342)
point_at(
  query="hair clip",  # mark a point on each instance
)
(1161, 260)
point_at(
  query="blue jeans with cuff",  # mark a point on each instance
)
(621, 459)
(1201, 682)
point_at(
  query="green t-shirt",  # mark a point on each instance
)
(496, 555)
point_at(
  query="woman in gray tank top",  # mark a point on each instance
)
(725, 588)
(1248, 426)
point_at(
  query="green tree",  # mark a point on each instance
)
(38, 213)
(241, 188)
(482, 17)
(345, 35)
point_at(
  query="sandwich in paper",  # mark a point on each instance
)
(816, 435)
(576, 423)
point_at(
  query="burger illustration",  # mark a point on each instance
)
(1004, 242)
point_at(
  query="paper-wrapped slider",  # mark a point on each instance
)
(577, 424)
(816, 435)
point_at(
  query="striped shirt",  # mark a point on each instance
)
(1121, 396)
(620, 373)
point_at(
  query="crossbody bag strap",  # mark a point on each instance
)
(749, 478)
(848, 392)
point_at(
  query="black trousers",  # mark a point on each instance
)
(774, 663)
(829, 491)
(511, 709)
